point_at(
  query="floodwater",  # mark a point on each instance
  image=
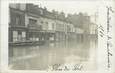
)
(43, 57)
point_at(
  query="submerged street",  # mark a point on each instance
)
(44, 56)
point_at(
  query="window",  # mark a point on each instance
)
(53, 26)
(17, 19)
(32, 21)
(46, 22)
(23, 34)
(18, 6)
(41, 11)
(41, 22)
(15, 36)
(19, 33)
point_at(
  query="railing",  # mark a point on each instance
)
(34, 26)
(14, 25)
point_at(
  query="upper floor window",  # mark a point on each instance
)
(41, 11)
(17, 19)
(32, 21)
(42, 22)
(53, 25)
(17, 6)
(46, 22)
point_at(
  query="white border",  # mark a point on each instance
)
(4, 44)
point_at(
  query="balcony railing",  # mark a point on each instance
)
(14, 25)
(34, 26)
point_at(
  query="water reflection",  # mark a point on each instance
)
(61, 52)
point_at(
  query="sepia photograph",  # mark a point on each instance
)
(43, 36)
(57, 35)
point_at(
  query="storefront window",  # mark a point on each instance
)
(15, 36)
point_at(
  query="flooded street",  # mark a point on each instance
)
(51, 53)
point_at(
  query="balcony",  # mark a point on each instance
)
(11, 25)
(34, 27)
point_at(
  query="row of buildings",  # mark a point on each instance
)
(30, 22)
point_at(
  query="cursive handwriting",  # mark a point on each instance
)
(60, 67)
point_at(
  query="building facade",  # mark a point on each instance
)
(29, 22)
(17, 28)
